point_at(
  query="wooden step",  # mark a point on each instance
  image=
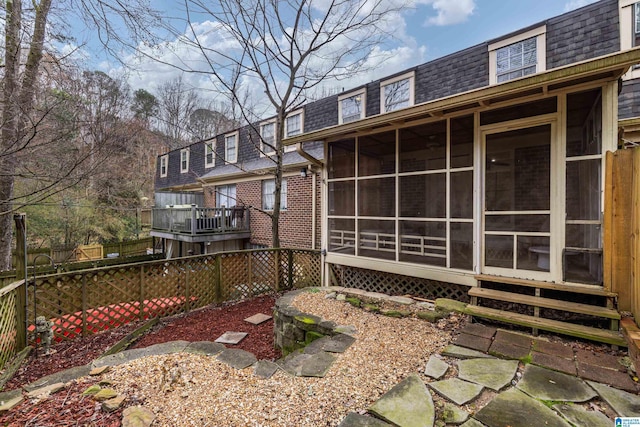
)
(576, 289)
(555, 326)
(554, 304)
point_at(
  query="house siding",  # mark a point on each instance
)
(629, 100)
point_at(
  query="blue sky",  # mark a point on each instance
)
(428, 30)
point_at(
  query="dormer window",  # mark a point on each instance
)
(184, 160)
(351, 107)
(209, 154)
(294, 123)
(231, 147)
(518, 56)
(164, 160)
(397, 93)
(268, 138)
(629, 11)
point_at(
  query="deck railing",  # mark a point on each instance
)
(197, 220)
(85, 302)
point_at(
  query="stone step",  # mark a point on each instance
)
(573, 307)
(555, 326)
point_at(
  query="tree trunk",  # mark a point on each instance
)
(275, 217)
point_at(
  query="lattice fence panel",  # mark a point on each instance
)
(395, 284)
(59, 298)
(305, 269)
(235, 281)
(164, 290)
(8, 326)
(112, 298)
(202, 282)
(263, 272)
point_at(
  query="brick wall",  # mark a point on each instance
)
(295, 221)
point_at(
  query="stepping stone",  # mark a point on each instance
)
(354, 419)
(206, 348)
(457, 390)
(471, 422)
(10, 399)
(553, 348)
(544, 384)
(451, 414)
(625, 404)
(580, 417)
(515, 409)
(617, 379)
(257, 319)
(436, 368)
(60, 377)
(491, 373)
(557, 363)
(473, 341)
(345, 329)
(292, 364)
(407, 404)
(265, 369)
(338, 343)
(237, 358)
(479, 330)
(317, 365)
(464, 353)
(317, 346)
(231, 337)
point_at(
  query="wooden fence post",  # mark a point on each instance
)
(290, 261)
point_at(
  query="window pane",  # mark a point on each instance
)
(294, 124)
(498, 251)
(342, 198)
(533, 253)
(377, 239)
(377, 197)
(377, 154)
(423, 242)
(462, 195)
(584, 123)
(583, 266)
(461, 235)
(519, 223)
(529, 109)
(351, 108)
(342, 236)
(586, 236)
(637, 25)
(462, 142)
(583, 190)
(342, 159)
(423, 147)
(396, 95)
(267, 132)
(423, 196)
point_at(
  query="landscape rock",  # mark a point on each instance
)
(105, 394)
(436, 368)
(10, 399)
(44, 392)
(111, 405)
(407, 404)
(137, 416)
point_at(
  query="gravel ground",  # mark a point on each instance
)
(192, 390)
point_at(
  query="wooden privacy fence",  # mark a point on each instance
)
(88, 301)
(622, 228)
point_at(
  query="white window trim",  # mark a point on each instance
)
(626, 17)
(286, 200)
(211, 144)
(412, 78)
(184, 170)
(541, 50)
(363, 93)
(236, 135)
(299, 111)
(164, 159)
(263, 148)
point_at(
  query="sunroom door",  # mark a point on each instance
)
(517, 205)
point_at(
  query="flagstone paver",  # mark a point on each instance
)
(515, 409)
(60, 377)
(545, 384)
(624, 403)
(338, 343)
(265, 369)
(356, 420)
(471, 422)
(557, 363)
(317, 365)
(491, 373)
(231, 337)
(436, 368)
(457, 390)
(258, 318)
(464, 353)
(580, 417)
(407, 404)
(207, 348)
(237, 358)
(451, 414)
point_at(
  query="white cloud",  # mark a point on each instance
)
(449, 12)
(575, 4)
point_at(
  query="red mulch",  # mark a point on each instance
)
(68, 407)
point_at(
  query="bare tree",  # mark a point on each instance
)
(177, 103)
(287, 48)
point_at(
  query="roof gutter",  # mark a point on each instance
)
(609, 67)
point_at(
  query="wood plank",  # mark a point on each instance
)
(555, 326)
(554, 304)
(576, 289)
(621, 228)
(635, 236)
(607, 222)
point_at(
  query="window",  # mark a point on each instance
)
(231, 148)
(268, 138)
(184, 160)
(629, 11)
(518, 56)
(226, 196)
(163, 166)
(209, 154)
(294, 123)
(351, 107)
(397, 93)
(268, 190)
